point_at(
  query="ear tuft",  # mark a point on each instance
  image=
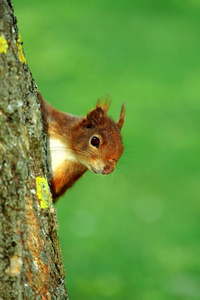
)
(120, 122)
(104, 104)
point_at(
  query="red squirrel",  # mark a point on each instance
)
(77, 144)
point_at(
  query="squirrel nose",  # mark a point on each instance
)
(109, 167)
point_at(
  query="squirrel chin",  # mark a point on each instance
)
(93, 170)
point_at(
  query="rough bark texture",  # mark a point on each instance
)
(30, 258)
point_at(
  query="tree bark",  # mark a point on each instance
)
(30, 257)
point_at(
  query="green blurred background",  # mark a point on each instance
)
(136, 233)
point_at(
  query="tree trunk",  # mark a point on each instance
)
(30, 257)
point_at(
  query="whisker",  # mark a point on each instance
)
(121, 171)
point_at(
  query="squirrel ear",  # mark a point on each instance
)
(120, 122)
(99, 113)
(96, 115)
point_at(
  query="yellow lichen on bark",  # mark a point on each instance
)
(3, 44)
(22, 58)
(43, 192)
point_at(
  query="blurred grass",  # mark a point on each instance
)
(133, 234)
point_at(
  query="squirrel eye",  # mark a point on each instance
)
(95, 141)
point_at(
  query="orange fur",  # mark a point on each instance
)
(65, 178)
(72, 150)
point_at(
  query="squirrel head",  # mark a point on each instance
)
(96, 140)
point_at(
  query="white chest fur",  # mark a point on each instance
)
(58, 152)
